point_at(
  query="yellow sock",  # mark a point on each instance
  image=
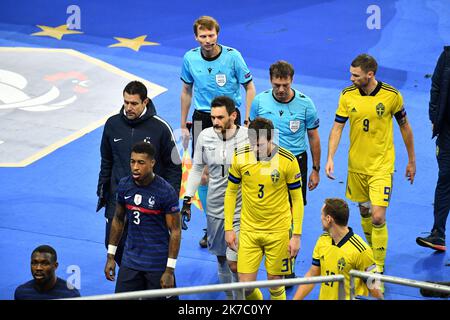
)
(278, 293)
(366, 223)
(379, 241)
(255, 295)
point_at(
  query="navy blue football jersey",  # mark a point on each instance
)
(147, 243)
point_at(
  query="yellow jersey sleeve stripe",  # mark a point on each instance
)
(286, 154)
(389, 89)
(233, 178)
(348, 89)
(358, 240)
(387, 86)
(316, 262)
(285, 150)
(357, 244)
(242, 150)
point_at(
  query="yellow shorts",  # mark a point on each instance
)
(274, 245)
(376, 189)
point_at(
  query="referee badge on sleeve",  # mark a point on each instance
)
(221, 79)
(294, 125)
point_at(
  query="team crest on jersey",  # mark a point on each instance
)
(294, 125)
(221, 79)
(151, 201)
(341, 264)
(380, 109)
(137, 199)
(275, 176)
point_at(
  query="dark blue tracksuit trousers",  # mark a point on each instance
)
(442, 193)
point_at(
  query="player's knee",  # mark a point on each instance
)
(365, 209)
(378, 219)
(233, 266)
(273, 277)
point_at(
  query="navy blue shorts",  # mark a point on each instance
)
(133, 280)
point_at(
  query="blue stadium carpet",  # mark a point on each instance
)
(52, 200)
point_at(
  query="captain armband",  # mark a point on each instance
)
(401, 117)
(340, 119)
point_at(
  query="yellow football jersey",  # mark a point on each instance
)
(333, 259)
(371, 129)
(265, 195)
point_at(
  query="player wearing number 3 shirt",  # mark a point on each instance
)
(151, 206)
(268, 175)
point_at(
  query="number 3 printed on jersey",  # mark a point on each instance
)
(136, 219)
(261, 191)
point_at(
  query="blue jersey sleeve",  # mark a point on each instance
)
(243, 73)
(254, 110)
(186, 75)
(312, 120)
(120, 193)
(171, 203)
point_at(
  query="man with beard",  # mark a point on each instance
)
(45, 284)
(215, 147)
(154, 227)
(370, 105)
(269, 175)
(294, 116)
(136, 121)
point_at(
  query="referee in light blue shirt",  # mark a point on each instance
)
(208, 71)
(293, 115)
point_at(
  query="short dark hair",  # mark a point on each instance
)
(46, 249)
(144, 147)
(338, 210)
(258, 127)
(136, 87)
(224, 101)
(366, 63)
(206, 22)
(281, 69)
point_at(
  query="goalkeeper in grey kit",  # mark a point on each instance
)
(215, 148)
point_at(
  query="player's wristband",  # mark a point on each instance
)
(112, 249)
(171, 263)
